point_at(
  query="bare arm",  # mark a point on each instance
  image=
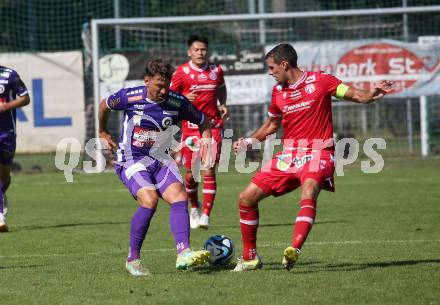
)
(367, 97)
(17, 103)
(222, 95)
(205, 145)
(103, 117)
(269, 127)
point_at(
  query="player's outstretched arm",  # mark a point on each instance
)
(103, 117)
(17, 103)
(205, 145)
(222, 96)
(269, 127)
(364, 96)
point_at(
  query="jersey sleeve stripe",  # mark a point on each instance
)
(202, 120)
(106, 103)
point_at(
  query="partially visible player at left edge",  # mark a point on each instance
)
(13, 94)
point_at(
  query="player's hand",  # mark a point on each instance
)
(224, 112)
(206, 153)
(191, 96)
(240, 145)
(381, 88)
(108, 138)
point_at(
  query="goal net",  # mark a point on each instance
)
(239, 42)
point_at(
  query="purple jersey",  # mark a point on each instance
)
(11, 86)
(145, 121)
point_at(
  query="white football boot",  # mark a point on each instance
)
(194, 218)
(204, 221)
(3, 225)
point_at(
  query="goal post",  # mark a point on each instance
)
(243, 26)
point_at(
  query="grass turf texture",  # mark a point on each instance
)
(376, 241)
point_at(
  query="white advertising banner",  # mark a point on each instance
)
(414, 67)
(242, 89)
(56, 88)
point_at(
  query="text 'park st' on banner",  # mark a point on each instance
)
(414, 67)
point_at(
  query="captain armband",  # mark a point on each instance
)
(341, 90)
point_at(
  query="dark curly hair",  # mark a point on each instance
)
(159, 67)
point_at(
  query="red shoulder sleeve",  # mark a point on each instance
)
(274, 110)
(177, 81)
(329, 82)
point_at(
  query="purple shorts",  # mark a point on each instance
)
(154, 175)
(7, 148)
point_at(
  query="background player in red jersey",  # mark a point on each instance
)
(203, 84)
(301, 103)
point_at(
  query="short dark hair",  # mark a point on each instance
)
(159, 67)
(198, 38)
(283, 52)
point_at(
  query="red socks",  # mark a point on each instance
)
(304, 222)
(191, 189)
(249, 218)
(209, 190)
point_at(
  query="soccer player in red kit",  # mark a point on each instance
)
(301, 103)
(203, 84)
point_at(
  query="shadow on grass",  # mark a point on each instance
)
(66, 225)
(313, 267)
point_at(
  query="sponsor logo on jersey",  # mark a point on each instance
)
(310, 88)
(207, 87)
(4, 81)
(173, 101)
(167, 121)
(134, 98)
(2, 89)
(202, 77)
(299, 162)
(143, 137)
(135, 92)
(310, 79)
(297, 107)
(213, 75)
(192, 125)
(169, 112)
(113, 102)
(5, 74)
(140, 107)
(193, 143)
(284, 161)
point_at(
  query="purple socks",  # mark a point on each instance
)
(179, 224)
(138, 229)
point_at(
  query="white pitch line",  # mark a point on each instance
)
(316, 243)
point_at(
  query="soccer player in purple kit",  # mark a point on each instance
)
(143, 163)
(13, 94)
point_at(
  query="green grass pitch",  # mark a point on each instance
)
(376, 241)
